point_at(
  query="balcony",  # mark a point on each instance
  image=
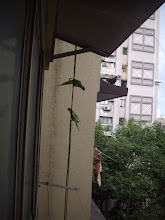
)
(108, 68)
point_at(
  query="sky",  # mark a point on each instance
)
(161, 92)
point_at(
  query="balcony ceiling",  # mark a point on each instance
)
(101, 25)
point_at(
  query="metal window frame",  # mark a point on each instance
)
(107, 118)
(142, 78)
(143, 45)
(141, 102)
(32, 11)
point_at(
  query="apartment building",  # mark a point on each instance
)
(135, 63)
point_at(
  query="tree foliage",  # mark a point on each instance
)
(135, 178)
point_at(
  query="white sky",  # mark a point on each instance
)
(161, 94)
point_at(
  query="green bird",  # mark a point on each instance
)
(74, 117)
(75, 82)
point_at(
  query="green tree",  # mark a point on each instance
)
(135, 177)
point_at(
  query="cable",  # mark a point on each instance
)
(105, 155)
(70, 134)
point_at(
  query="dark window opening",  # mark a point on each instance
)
(125, 51)
(124, 83)
(124, 68)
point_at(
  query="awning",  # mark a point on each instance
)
(101, 25)
(108, 91)
(98, 25)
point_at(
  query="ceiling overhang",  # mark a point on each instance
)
(51, 20)
(108, 91)
(101, 25)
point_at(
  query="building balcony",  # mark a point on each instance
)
(108, 70)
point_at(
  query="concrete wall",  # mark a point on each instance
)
(55, 135)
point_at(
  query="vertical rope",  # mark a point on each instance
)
(70, 132)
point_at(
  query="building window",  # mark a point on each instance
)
(121, 120)
(144, 40)
(122, 102)
(108, 64)
(107, 102)
(141, 108)
(142, 73)
(112, 64)
(124, 68)
(110, 102)
(106, 120)
(104, 64)
(125, 51)
(124, 83)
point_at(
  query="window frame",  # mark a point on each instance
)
(35, 9)
(124, 67)
(122, 103)
(142, 31)
(101, 118)
(141, 102)
(125, 50)
(124, 83)
(110, 63)
(143, 68)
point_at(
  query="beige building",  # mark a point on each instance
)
(55, 135)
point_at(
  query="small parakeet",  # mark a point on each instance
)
(74, 117)
(75, 82)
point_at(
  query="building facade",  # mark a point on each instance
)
(135, 63)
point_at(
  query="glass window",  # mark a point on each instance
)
(142, 73)
(124, 83)
(112, 64)
(110, 102)
(106, 120)
(143, 39)
(141, 108)
(124, 68)
(108, 64)
(106, 102)
(31, 126)
(125, 50)
(12, 23)
(104, 64)
(122, 102)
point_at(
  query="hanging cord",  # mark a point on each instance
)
(70, 132)
(48, 202)
(106, 156)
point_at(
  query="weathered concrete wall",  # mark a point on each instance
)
(55, 135)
